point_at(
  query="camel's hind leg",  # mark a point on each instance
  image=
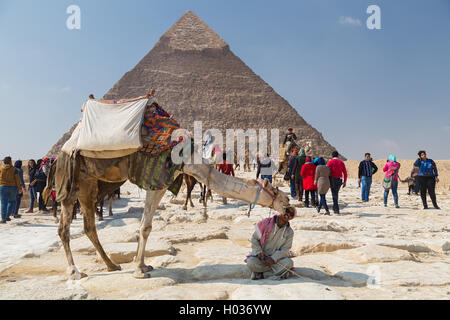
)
(151, 204)
(64, 234)
(88, 197)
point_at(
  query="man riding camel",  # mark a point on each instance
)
(290, 139)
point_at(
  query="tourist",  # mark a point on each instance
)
(247, 162)
(266, 167)
(9, 187)
(427, 178)
(414, 175)
(32, 171)
(18, 166)
(271, 243)
(391, 168)
(300, 161)
(225, 168)
(308, 173)
(322, 180)
(237, 164)
(290, 139)
(316, 194)
(290, 172)
(337, 170)
(41, 182)
(366, 170)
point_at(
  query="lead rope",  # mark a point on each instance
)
(250, 206)
(290, 271)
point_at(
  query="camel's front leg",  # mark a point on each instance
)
(87, 197)
(151, 204)
(64, 234)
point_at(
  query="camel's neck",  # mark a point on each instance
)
(228, 186)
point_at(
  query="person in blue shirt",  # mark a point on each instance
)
(427, 178)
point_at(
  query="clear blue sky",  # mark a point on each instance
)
(383, 91)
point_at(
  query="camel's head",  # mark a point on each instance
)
(280, 200)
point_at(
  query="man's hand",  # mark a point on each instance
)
(437, 180)
(269, 261)
(292, 177)
(359, 181)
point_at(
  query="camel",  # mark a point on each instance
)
(204, 195)
(110, 198)
(94, 176)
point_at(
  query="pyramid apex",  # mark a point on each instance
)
(192, 33)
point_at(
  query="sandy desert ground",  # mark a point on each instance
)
(367, 252)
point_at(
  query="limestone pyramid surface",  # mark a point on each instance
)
(198, 78)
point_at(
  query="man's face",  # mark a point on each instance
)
(368, 157)
(423, 155)
(288, 214)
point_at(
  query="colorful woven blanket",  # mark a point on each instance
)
(158, 126)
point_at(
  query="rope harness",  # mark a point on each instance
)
(260, 187)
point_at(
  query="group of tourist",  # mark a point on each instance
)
(12, 186)
(313, 178)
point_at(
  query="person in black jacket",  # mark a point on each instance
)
(41, 182)
(32, 170)
(365, 172)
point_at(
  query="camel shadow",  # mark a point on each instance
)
(239, 274)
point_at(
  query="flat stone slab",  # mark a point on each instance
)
(306, 241)
(119, 285)
(49, 288)
(191, 236)
(125, 252)
(286, 291)
(221, 271)
(374, 253)
(409, 245)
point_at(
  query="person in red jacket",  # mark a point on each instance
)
(308, 173)
(337, 170)
(226, 168)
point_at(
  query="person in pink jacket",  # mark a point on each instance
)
(392, 168)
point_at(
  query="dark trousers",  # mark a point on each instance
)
(416, 185)
(313, 197)
(17, 205)
(323, 202)
(41, 202)
(300, 189)
(427, 184)
(336, 184)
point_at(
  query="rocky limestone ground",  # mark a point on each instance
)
(367, 252)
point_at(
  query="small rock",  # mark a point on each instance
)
(125, 252)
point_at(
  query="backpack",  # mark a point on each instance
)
(387, 182)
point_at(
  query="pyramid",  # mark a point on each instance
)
(198, 78)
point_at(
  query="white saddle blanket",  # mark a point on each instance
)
(108, 127)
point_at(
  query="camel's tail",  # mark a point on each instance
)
(50, 181)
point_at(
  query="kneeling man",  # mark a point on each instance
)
(271, 244)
